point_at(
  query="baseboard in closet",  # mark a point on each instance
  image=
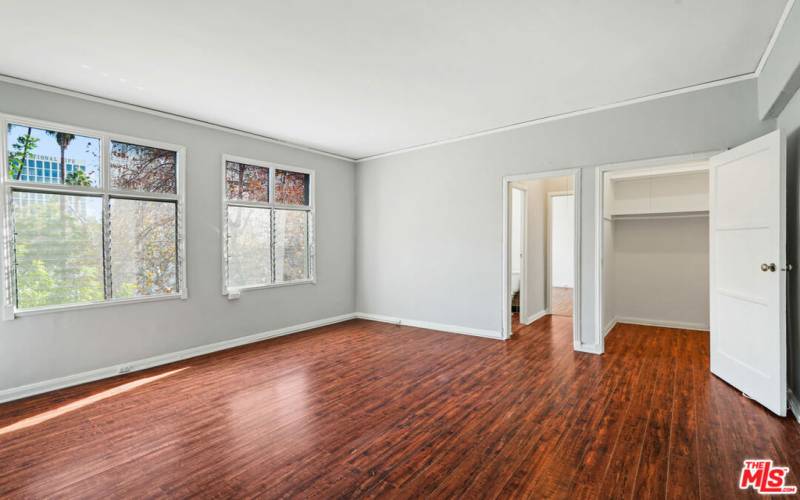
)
(662, 323)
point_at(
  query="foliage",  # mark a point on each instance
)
(63, 139)
(247, 182)
(58, 252)
(59, 238)
(142, 168)
(19, 152)
(291, 245)
(143, 250)
(291, 188)
(249, 261)
(78, 178)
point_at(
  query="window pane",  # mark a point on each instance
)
(291, 188)
(143, 248)
(142, 168)
(246, 182)
(47, 156)
(291, 245)
(249, 259)
(59, 249)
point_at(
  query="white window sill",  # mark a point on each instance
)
(93, 305)
(228, 291)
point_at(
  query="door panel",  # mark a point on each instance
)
(748, 305)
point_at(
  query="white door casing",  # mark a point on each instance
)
(748, 305)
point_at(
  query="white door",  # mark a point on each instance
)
(748, 284)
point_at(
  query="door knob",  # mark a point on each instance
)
(768, 267)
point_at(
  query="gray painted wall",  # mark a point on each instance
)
(661, 270)
(429, 221)
(34, 349)
(780, 77)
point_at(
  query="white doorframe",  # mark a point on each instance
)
(598, 224)
(523, 275)
(506, 245)
(548, 253)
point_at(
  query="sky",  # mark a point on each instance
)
(85, 150)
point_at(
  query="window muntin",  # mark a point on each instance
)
(37, 155)
(266, 243)
(159, 274)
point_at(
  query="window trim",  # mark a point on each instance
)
(104, 191)
(310, 209)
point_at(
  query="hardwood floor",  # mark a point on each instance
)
(368, 409)
(562, 301)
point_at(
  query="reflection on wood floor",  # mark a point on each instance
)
(365, 409)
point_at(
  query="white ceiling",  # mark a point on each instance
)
(364, 77)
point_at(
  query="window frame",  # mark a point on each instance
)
(104, 191)
(310, 209)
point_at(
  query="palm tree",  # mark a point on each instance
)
(63, 140)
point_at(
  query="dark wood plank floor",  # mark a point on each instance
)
(371, 409)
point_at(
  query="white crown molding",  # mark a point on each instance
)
(569, 114)
(536, 121)
(771, 44)
(163, 114)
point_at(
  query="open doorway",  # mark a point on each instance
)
(541, 241)
(561, 255)
(654, 250)
(697, 246)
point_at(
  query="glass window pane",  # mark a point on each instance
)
(142, 168)
(291, 245)
(59, 249)
(30, 149)
(246, 182)
(249, 259)
(291, 188)
(143, 248)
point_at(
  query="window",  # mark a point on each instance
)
(90, 218)
(268, 224)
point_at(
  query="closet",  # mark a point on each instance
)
(656, 246)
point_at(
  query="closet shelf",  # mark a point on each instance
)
(660, 215)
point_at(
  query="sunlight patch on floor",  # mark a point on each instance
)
(51, 414)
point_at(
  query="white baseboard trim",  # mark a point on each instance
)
(475, 332)
(533, 317)
(610, 326)
(588, 348)
(162, 359)
(664, 324)
(794, 405)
